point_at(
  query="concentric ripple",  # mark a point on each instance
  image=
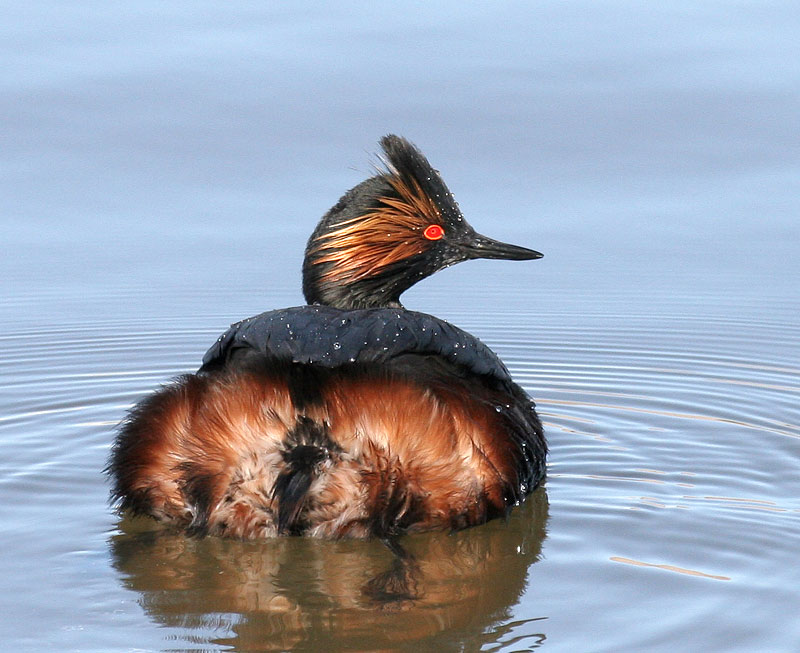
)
(672, 474)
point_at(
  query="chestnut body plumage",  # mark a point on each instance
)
(351, 416)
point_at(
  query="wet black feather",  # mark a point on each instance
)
(330, 337)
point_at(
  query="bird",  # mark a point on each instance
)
(350, 416)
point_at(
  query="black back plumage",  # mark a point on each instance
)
(332, 337)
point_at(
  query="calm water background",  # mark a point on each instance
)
(161, 166)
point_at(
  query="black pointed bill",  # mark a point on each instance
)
(482, 247)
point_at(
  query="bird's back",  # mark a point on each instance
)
(332, 337)
(327, 422)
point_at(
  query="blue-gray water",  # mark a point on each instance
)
(161, 166)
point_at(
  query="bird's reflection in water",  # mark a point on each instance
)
(302, 593)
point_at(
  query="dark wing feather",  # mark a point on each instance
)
(331, 337)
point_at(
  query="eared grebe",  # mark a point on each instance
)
(352, 416)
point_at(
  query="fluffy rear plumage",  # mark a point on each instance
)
(380, 453)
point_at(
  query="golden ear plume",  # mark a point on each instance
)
(365, 245)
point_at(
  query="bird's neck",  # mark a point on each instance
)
(370, 292)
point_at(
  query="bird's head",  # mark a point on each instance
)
(389, 232)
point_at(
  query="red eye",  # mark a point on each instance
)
(433, 232)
